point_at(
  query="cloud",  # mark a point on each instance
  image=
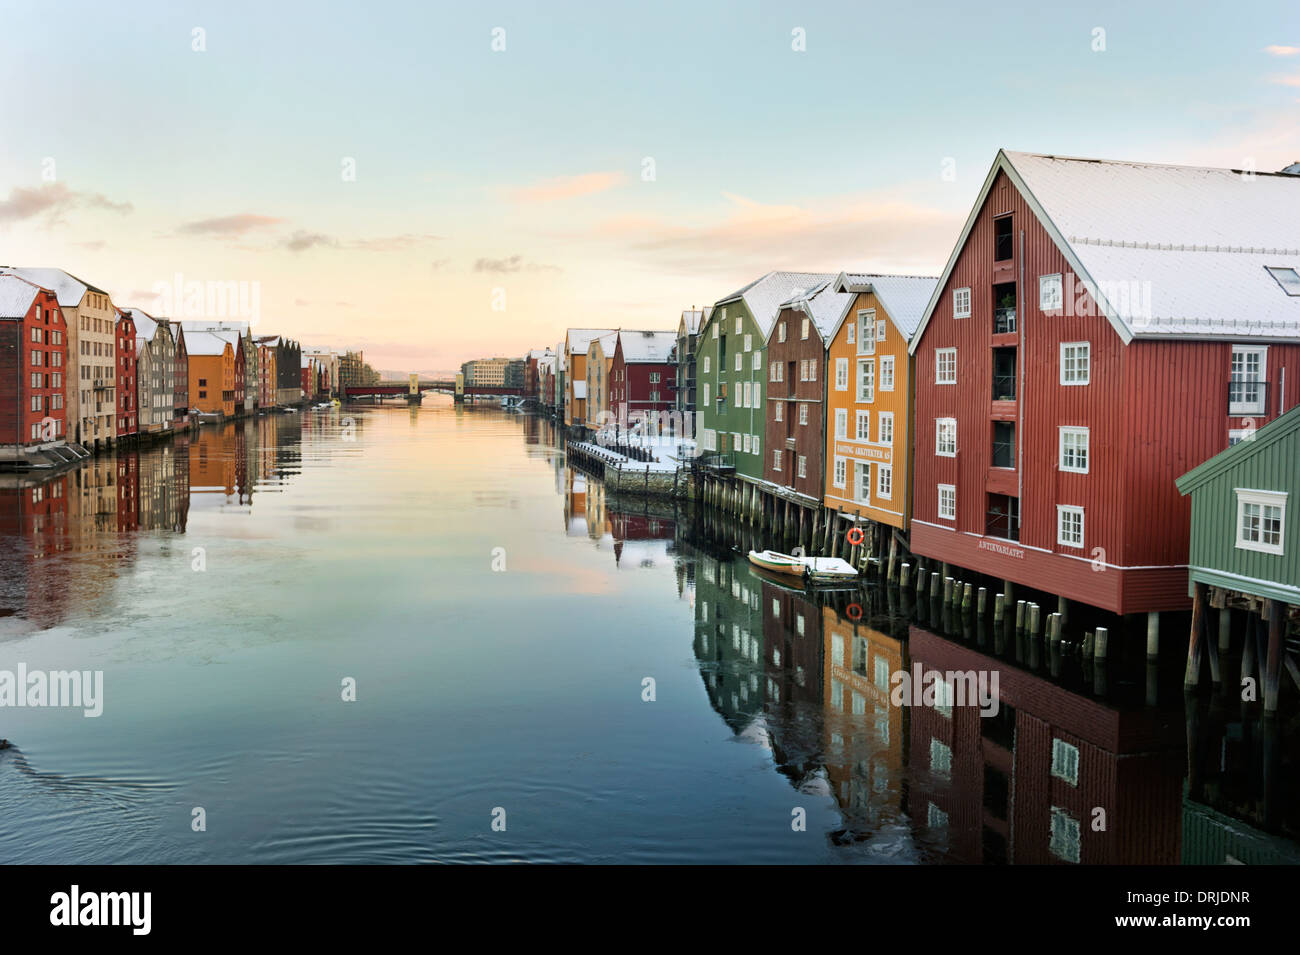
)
(1275, 50)
(300, 241)
(52, 200)
(1286, 79)
(93, 246)
(393, 243)
(437, 265)
(228, 225)
(878, 231)
(567, 187)
(514, 263)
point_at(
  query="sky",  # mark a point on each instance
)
(436, 182)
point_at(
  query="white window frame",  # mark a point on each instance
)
(1086, 447)
(749, 343)
(803, 413)
(866, 331)
(866, 382)
(778, 411)
(757, 442)
(940, 356)
(740, 358)
(1261, 499)
(885, 428)
(1290, 282)
(940, 426)
(1065, 761)
(841, 422)
(780, 332)
(706, 393)
(861, 433)
(715, 329)
(1238, 408)
(801, 465)
(740, 324)
(803, 329)
(861, 486)
(841, 374)
(1062, 512)
(776, 459)
(961, 303)
(885, 481)
(887, 373)
(880, 329)
(1063, 835)
(757, 363)
(949, 513)
(841, 472)
(850, 335)
(1045, 301)
(706, 363)
(1086, 359)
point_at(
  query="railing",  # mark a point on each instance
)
(1247, 396)
(1004, 387)
(717, 460)
(1004, 320)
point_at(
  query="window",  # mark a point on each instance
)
(841, 422)
(803, 413)
(1246, 386)
(863, 431)
(749, 395)
(740, 320)
(945, 437)
(1049, 292)
(812, 369)
(749, 343)
(778, 414)
(936, 818)
(961, 303)
(739, 358)
(1289, 279)
(867, 379)
(756, 450)
(887, 373)
(850, 337)
(1004, 308)
(841, 472)
(715, 331)
(1075, 363)
(886, 427)
(802, 465)
(948, 502)
(1064, 839)
(1074, 450)
(803, 328)
(867, 332)
(945, 366)
(1065, 761)
(706, 392)
(803, 369)
(757, 362)
(654, 377)
(940, 758)
(862, 482)
(885, 481)
(1004, 444)
(748, 443)
(776, 460)
(780, 331)
(841, 374)
(1069, 525)
(1261, 517)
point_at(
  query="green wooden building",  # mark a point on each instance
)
(731, 371)
(1245, 542)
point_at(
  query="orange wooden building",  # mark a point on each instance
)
(212, 373)
(868, 397)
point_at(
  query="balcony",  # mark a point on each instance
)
(1004, 373)
(1247, 396)
(721, 461)
(1004, 320)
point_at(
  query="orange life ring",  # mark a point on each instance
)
(861, 536)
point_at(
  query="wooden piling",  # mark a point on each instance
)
(982, 602)
(1099, 644)
(904, 575)
(1020, 615)
(967, 598)
(1276, 616)
(999, 607)
(1195, 640)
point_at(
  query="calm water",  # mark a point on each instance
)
(499, 616)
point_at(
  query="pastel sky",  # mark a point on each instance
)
(130, 157)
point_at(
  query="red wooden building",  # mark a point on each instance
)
(1100, 328)
(128, 397)
(795, 410)
(33, 359)
(642, 376)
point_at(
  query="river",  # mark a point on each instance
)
(392, 634)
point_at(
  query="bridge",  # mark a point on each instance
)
(402, 389)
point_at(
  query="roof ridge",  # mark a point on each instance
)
(1178, 247)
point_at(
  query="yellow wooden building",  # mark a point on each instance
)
(868, 396)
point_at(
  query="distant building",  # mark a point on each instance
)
(212, 373)
(33, 359)
(643, 378)
(574, 371)
(155, 369)
(600, 356)
(239, 334)
(688, 336)
(128, 410)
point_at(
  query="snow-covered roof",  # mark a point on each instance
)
(205, 343)
(146, 326)
(1166, 251)
(68, 288)
(577, 339)
(606, 343)
(763, 296)
(903, 297)
(643, 347)
(824, 304)
(16, 296)
(538, 353)
(213, 325)
(693, 318)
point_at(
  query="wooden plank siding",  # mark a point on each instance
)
(895, 510)
(788, 437)
(1153, 409)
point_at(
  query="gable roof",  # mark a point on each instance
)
(578, 339)
(903, 297)
(1270, 434)
(693, 318)
(69, 289)
(641, 347)
(824, 305)
(146, 326)
(16, 296)
(764, 295)
(206, 343)
(1165, 251)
